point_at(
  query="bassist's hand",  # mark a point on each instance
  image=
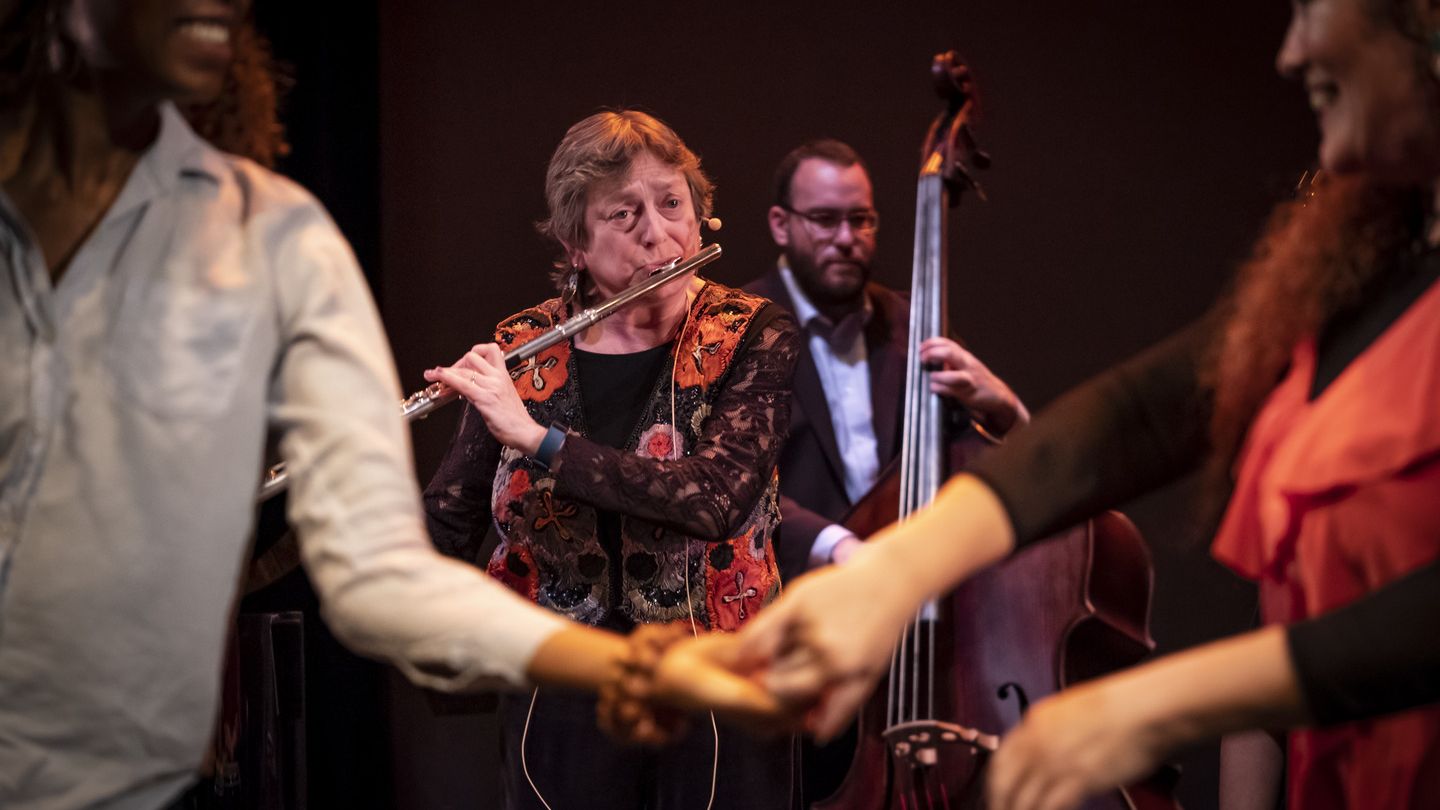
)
(961, 377)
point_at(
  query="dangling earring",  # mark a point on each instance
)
(570, 287)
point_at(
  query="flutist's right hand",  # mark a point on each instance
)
(481, 377)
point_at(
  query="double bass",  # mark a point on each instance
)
(1065, 609)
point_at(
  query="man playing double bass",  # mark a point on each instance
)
(849, 379)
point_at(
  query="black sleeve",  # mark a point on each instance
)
(457, 500)
(1377, 655)
(1134, 427)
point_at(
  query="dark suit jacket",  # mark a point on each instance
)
(812, 477)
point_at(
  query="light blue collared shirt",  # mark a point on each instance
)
(842, 362)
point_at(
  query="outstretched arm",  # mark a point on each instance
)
(354, 501)
(1127, 430)
(819, 639)
(1118, 729)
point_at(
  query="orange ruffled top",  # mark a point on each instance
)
(1336, 497)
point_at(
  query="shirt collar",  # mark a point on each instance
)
(811, 318)
(180, 152)
(177, 153)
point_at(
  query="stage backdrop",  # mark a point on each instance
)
(1137, 147)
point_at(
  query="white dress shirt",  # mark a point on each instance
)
(214, 302)
(841, 360)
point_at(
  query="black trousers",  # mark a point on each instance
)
(575, 766)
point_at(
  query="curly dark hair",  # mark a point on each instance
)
(244, 119)
(35, 54)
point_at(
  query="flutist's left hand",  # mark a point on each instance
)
(481, 377)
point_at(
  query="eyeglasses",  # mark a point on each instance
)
(825, 222)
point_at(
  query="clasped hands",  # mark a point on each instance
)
(809, 661)
(781, 672)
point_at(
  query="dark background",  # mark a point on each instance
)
(1137, 146)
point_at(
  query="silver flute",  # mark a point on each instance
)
(419, 404)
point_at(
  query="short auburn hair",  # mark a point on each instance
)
(601, 148)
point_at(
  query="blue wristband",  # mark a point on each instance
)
(550, 445)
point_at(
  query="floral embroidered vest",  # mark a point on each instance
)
(549, 549)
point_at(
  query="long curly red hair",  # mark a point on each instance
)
(1318, 258)
(244, 119)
